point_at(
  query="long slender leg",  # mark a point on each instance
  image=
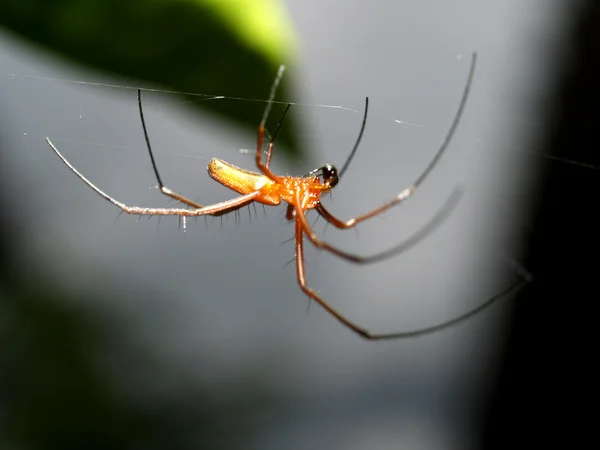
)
(300, 273)
(163, 189)
(409, 191)
(216, 209)
(423, 232)
(272, 140)
(358, 139)
(261, 128)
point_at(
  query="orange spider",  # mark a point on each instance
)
(303, 194)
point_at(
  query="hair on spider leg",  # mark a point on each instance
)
(264, 209)
(286, 241)
(316, 220)
(326, 226)
(288, 262)
(237, 215)
(308, 303)
(292, 260)
(283, 220)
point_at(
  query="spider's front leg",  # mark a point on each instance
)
(264, 168)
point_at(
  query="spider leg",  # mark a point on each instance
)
(264, 168)
(366, 334)
(289, 213)
(441, 215)
(213, 210)
(163, 189)
(338, 223)
(272, 140)
(300, 274)
(358, 139)
(409, 191)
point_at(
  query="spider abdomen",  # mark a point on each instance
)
(244, 181)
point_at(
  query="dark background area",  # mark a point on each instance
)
(546, 373)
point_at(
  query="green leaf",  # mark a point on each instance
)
(222, 47)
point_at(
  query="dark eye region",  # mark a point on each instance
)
(328, 174)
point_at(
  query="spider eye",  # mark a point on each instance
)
(330, 175)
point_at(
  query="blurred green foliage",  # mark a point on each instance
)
(219, 47)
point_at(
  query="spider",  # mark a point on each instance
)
(302, 194)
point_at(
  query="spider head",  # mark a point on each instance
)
(328, 175)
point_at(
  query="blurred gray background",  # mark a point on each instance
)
(214, 306)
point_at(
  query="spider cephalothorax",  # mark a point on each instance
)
(328, 175)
